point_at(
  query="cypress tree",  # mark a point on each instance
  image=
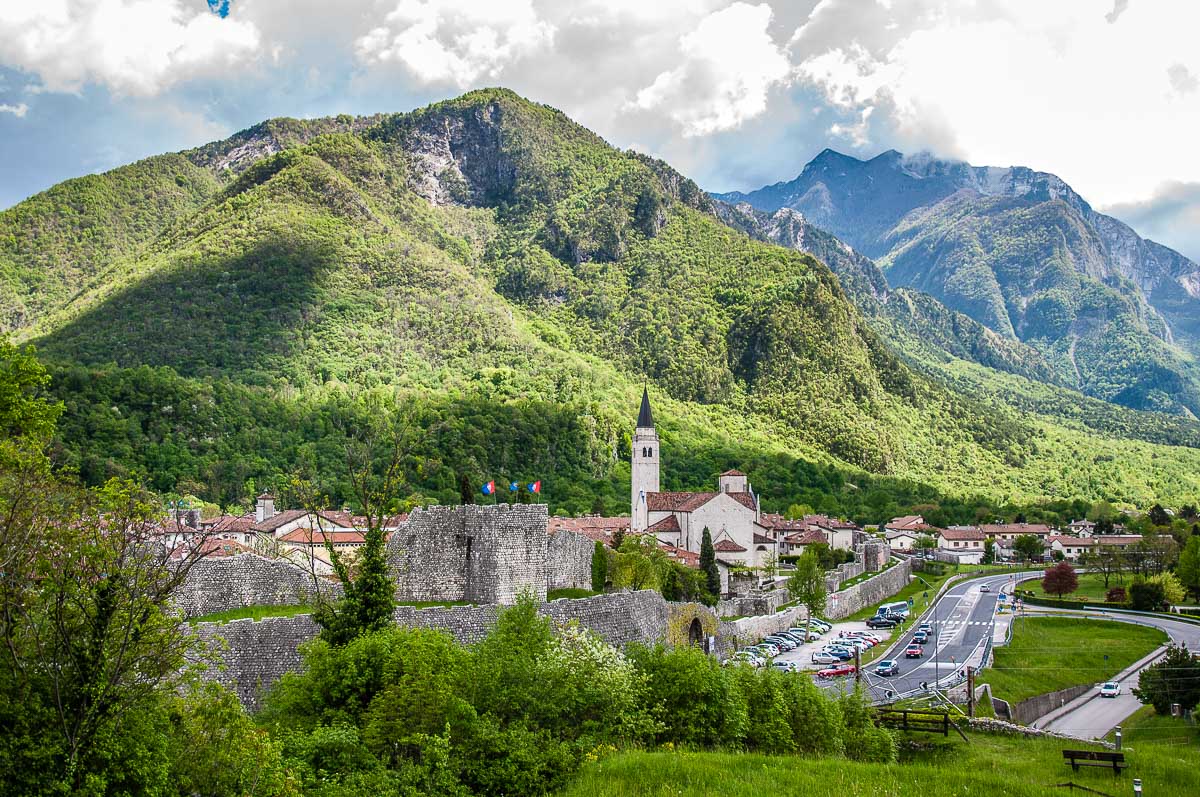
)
(599, 567)
(708, 564)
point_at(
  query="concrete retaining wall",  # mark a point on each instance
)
(872, 591)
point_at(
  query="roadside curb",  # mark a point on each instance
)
(1072, 705)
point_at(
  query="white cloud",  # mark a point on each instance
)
(730, 63)
(456, 41)
(136, 47)
(1048, 85)
(1170, 216)
(19, 110)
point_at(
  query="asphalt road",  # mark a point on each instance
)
(961, 619)
(1091, 716)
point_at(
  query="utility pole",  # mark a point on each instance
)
(970, 691)
(857, 667)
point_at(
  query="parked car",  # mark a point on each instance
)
(836, 671)
(823, 657)
(782, 643)
(784, 666)
(914, 652)
(1110, 689)
(821, 624)
(746, 657)
(920, 637)
(881, 622)
(842, 654)
(768, 648)
(864, 636)
(813, 635)
(887, 668)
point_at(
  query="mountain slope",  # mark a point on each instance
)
(489, 262)
(1020, 252)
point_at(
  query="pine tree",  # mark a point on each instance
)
(599, 567)
(708, 564)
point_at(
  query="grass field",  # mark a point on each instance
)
(568, 592)
(1051, 653)
(1147, 727)
(991, 765)
(1091, 587)
(252, 613)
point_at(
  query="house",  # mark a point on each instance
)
(903, 539)
(1081, 528)
(836, 533)
(906, 523)
(1010, 531)
(796, 543)
(963, 542)
(1072, 548)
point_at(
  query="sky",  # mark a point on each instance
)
(1104, 93)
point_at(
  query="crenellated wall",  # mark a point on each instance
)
(217, 584)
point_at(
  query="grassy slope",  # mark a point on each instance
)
(997, 766)
(566, 282)
(1051, 653)
(1091, 587)
(1146, 727)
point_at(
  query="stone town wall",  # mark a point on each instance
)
(481, 554)
(733, 634)
(256, 654)
(755, 603)
(865, 593)
(570, 560)
(217, 584)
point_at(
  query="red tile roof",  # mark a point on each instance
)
(304, 536)
(728, 546)
(809, 537)
(211, 548)
(690, 502)
(733, 473)
(595, 528)
(996, 529)
(1065, 540)
(667, 524)
(762, 539)
(681, 555)
(906, 522)
(961, 534)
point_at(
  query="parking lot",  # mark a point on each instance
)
(803, 654)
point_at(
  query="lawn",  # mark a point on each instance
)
(992, 765)
(1147, 727)
(569, 592)
(1051, 653)
(252, 613)
(1091, 587)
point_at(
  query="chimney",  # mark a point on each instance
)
(265, 508)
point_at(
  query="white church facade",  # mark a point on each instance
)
(731, 513)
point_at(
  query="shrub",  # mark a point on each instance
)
(1147, 596)
(1115, 595)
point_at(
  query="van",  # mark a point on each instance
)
(895, 609)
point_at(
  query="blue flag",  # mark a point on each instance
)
(514, 487)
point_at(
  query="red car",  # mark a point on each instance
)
(914, 652)
(836, 671)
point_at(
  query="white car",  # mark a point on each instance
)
(985, 588)
(1110, 689)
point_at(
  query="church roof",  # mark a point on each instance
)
(645, 417)
(667, 524)
(690, 502)
(733, 473)
(728, 546)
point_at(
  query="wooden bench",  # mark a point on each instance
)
(1092, 758)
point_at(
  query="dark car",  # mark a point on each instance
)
(914, 652)
(887, 667)
(920, 637)
(881, 622)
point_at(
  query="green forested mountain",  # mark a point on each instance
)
(212, 319)
(1111, 314)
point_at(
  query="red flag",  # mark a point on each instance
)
(535, 487)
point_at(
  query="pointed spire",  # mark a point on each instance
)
(645, 418)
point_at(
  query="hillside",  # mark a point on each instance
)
(1020, 252)
(513, 279)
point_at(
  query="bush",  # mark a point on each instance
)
(1116, 595)
(1147, 596)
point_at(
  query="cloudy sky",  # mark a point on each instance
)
(1105, 93)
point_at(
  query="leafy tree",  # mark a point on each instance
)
(641, 563)
(618, 539)
(708, 564)
(1173, 591)
(1174, 679)
(1188, 569)
(1107, 560)
(925, 542)
(599, 567)
(989, 550)
(807, 586)
(1029, 546)
(1147, 596)
(1060, 579)
(1158, 516)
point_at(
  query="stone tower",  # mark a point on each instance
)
(643, 465)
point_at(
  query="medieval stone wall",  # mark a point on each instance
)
(256, 654)
(872, 591)
(217, 584)
(570, 560)
(481, 554)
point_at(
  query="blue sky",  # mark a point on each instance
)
(1105, 93)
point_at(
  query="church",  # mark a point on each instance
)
(730, 513)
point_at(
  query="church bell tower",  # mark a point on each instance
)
(643, 465)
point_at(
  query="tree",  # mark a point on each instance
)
(1188, 569)
(1029, 546)
(1175, 679)
(599, 567)
(807, 586)
(1107, 561)
(989, 550)
(641, 563)
(1159, 516)
(708, 564)
(1115, 595)
(1060, 579)
(925, 542)
(618, 539)
(1146, 596)
(1173, 591)
(1104, 525)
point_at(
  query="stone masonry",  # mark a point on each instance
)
(570, 560)
(480, 554)
(217, 584)
(256, 654)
